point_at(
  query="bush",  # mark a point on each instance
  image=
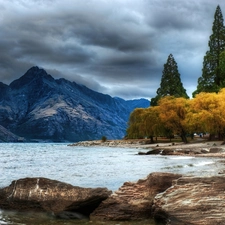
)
(104, 138)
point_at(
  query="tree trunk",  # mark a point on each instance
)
(183, 137)
(152, 140)
(220, 136)
(211, 137)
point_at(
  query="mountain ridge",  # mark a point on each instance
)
(37, 106)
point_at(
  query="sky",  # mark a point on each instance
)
(116, 47)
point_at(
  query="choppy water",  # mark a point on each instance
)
(87, 167)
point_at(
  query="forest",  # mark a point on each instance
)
(172, 112)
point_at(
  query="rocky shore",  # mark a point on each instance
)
(169, 199)
(197, 148)
(113, 143)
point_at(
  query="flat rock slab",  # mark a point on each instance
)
(42, 194)
(134, 200)
(192, 200)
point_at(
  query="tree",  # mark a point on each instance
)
(173, 112)
(153, 127)
(135, 124)
(204, 113)
(207, 113)
(204, 109)
(213, 76)
(145, 123)
(222, 67)
(170, 82)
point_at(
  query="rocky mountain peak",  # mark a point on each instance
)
(36, 106)
(34, 73)
(3, 86)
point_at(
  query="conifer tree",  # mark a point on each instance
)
(213, 76)
(170, 82)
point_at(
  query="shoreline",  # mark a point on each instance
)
(198, 148)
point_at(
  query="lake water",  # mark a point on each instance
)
(88, 167)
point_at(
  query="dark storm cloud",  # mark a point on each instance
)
(179, 15)
(122, 37)
(115, 47)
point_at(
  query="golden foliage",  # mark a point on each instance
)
(204, 113)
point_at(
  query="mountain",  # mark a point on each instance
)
(37, 106)
(7, 136)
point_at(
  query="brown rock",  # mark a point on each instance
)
(133, 201)
(204, 151)
(167, 151)
(151, 152)
(192, 200)
(41, 194)
(215, 150)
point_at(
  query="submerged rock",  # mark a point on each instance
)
(192, 200)
(133, 201)
(42, 194)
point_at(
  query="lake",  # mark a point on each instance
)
(88, 167)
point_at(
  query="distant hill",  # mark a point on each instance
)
(38, 107)
(7, 136)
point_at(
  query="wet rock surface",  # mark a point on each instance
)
(133, 201)
(42, 194)
(192, 200)
(171, 199)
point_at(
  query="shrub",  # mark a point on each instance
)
(104, 138)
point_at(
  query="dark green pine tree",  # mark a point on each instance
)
(170, 82)
(213, 77)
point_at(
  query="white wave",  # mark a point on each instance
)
(204, 163)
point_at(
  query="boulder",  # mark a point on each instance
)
(151, 152)
(192, 200)
(133, 201)
(168, 152)
(41, 194)
(216, 150)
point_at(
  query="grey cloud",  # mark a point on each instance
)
(129, 60)
(115, 47)
(180, 15)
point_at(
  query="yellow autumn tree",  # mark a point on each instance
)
(152, 124)
(172, 112)
(221, 96)
(193, 119)
(207, 113)
(145, 123)
(135, 124)
(204, 113)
